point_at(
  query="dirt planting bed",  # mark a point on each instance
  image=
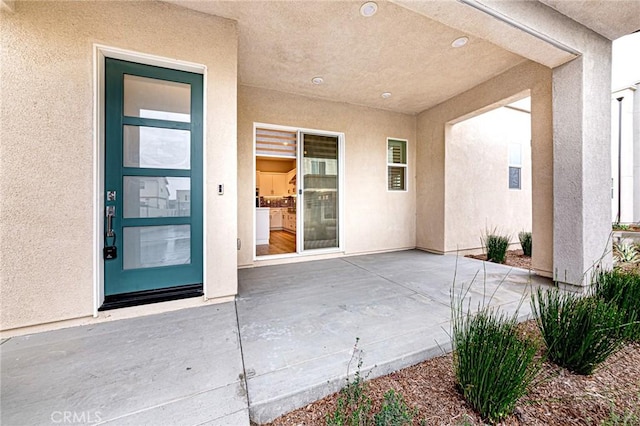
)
(514, 258)
(557, 396)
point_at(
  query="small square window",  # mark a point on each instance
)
(514, 177)
(396, 165)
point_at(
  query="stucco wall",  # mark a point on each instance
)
(433, 127)
(581, 142)
(476, 178)
(47, 153)
(374, 219)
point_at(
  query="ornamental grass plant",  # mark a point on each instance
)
(525, 242)
(493, 366)
(622, 289)
(496, 246)
(580, 332)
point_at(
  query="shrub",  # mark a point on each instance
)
(625, 252)
(627, 418)
(394, 411)
(622, 289)
(525, 242)
(493, 367)
(580, 332)
(353, 405)
(496, 246)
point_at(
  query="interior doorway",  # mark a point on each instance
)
(276, 191)
(297, 191)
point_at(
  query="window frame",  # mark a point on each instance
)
(404, 166)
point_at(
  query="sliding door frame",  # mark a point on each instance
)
(299, 193)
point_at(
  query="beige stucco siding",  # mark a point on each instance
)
(477, 165)
(433, 128)
(374, 218)
(47, 144)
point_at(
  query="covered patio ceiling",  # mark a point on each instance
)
(405, 49)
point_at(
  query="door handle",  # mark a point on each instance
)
(110, 212)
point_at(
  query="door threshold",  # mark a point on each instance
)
(136, 298)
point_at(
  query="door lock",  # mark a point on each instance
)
(110, 251)
(111, 212)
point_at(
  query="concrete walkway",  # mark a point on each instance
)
(176, 368)
(297, 327)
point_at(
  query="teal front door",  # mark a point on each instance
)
(153, 183)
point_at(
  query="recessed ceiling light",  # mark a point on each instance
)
(317, 80)
(386, 95)
(460, 41)
(368, 9)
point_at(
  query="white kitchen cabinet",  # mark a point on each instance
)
(285, 221)
(273, 184)
(262, 225)
(289, 223)
(275, 218)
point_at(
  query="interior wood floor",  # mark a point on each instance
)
(280, 242)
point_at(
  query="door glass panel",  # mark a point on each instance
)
(156, 196)
(160, 99)
(156, 148)
(155, 246)
(320, 166)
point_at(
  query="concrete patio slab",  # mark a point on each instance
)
(299, 322)
(291, 333)
(178, 368)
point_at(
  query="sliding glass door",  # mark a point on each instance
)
(318, 172)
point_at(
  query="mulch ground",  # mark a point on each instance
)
(515, 258)
(557, 397)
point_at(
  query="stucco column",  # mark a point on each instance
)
(582, 165)
(542, 177)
